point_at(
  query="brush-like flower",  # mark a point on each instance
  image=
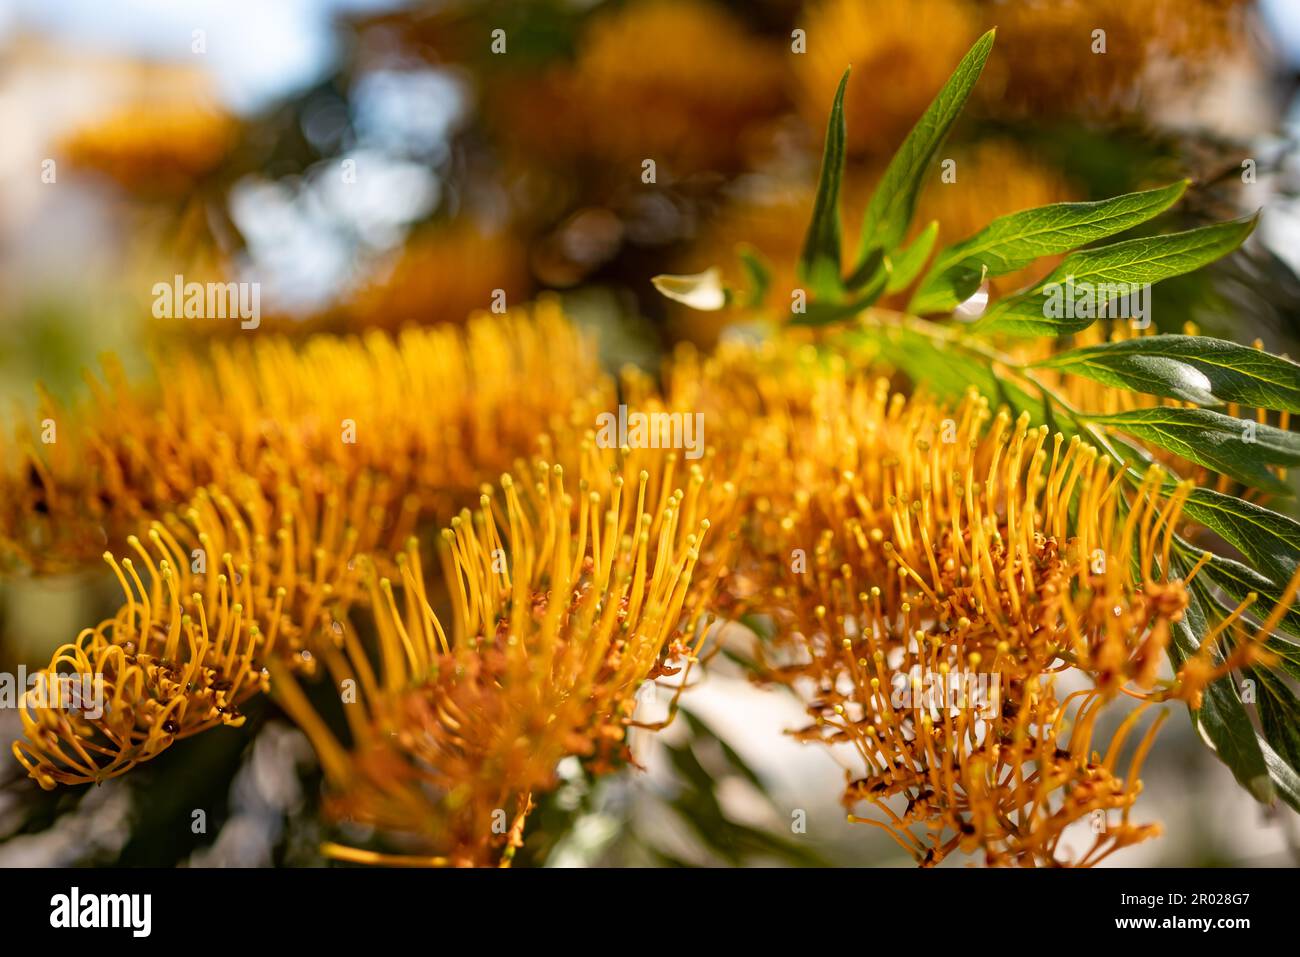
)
(565, 601)
(436, 411)
(914, 556)
(1006, 782)
(936, 563)
(217, 591)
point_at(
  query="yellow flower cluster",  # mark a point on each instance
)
(563, 605)
(232, 580)
(433, 411)
(900, 547)
(564, 599)
(933, 574)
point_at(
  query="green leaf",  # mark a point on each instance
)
(819, 263)
(1191, 368)
(1014, 241)
(760, 624)
(944, 372)
(907, 264)
(702, 732)
(890, 211)
(1279, 714)
(826, 313)
(702, 290)
(1279, 718)
(949, 373)
(869, 272)
(1288, 653)
(1216, 441)
(1270, 540)
(1108, 272)
(758, 273)
(823, 314)
(696, 802)
(1285, 778)
(1227, 588)
(1238, 581)
(1222, 718)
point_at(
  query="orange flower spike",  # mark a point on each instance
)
(998, 544)
(544, 658)
(458, 405)
(186, 649)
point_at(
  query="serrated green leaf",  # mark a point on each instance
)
(1191, 368)
(819, 263)
(703, 290)
(1270, 540)
(1014, 241)
(892, 205)
(908, 262)
(1108, 271)
(1216, 441)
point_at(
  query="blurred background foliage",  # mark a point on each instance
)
(375, 163)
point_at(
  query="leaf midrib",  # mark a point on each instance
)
(994, 242)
